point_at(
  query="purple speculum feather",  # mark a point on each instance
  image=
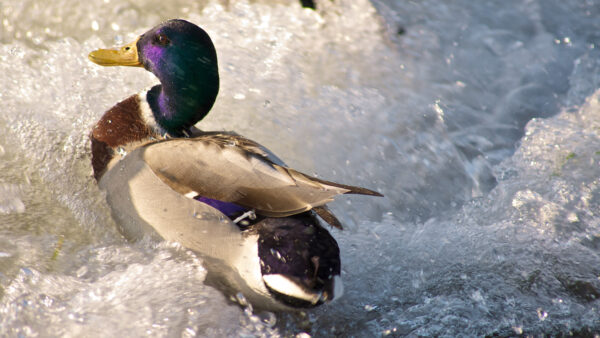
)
(229, 209)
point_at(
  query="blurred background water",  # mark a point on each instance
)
(479, 121)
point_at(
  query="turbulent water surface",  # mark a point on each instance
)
(479, 121)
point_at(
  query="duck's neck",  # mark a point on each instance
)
(178, 106)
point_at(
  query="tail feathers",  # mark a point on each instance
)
(351, 189)
(326, 214)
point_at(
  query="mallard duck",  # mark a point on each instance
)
(252, 219)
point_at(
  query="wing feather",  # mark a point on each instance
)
(234, 169)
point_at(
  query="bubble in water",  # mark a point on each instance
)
(10, 200)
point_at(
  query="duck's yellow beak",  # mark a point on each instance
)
(124, 56)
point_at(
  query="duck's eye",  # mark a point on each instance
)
(162, 40)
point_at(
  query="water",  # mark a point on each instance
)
(478, 121)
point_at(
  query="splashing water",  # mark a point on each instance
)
(478, 121)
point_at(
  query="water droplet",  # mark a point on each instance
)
(276, 254)
(198, 215)
(269, 318)
(239, 297)
(370, 308)
(254, 319)
(121, 151)
(81, 271)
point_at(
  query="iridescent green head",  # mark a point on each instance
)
(184, 59)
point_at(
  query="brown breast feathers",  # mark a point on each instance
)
(119, 126)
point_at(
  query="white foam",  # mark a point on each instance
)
(430, 117)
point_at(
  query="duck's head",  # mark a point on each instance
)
(184, 59)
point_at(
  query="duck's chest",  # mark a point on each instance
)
(124, 127)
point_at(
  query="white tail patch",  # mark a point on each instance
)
(288, 287)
